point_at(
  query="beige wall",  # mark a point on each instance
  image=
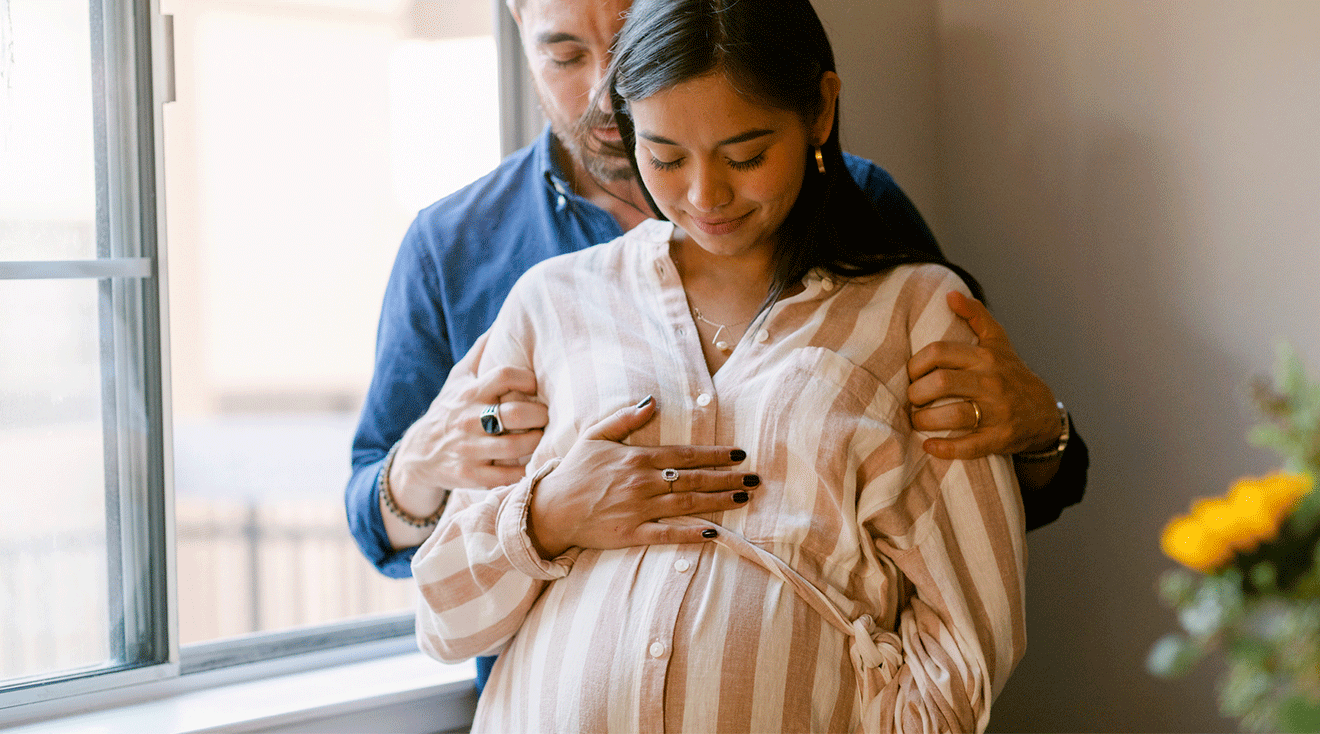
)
(1136, 183)
(886, 52)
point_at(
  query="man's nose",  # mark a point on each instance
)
(600, 87)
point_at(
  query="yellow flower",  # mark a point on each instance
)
(1262, 503)
(1251, 513)
(1256, 511)
(1286, 489)
(1188, 541)
(1226, 521)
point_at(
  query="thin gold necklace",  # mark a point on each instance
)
(720, 344)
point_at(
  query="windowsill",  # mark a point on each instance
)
(405, 692)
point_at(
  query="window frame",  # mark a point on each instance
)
(139, 526)
(132, 60)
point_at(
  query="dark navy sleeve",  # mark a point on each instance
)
(893, 205)
(1044, 505)
(413, 359)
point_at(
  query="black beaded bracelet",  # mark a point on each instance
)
(386, 496)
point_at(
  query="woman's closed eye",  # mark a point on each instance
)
(660, 165)
(748, 164)
(745, 165)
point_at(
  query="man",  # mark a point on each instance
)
(567, 191)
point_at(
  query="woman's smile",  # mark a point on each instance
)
(723, 168)
(718, 226)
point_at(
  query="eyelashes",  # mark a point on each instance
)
(746, 165)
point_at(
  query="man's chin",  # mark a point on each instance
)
(609, 170)
(606, 163)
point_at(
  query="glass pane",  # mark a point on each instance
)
(293, 169)
(47, 200)
(53, 566)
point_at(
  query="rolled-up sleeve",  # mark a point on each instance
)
(478, 574)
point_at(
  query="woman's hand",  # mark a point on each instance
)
(1017, 410)
(605, 494)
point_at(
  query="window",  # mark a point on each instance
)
(185, 412)
(304, 139)
(84, 565)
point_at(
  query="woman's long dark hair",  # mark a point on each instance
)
(774, 52)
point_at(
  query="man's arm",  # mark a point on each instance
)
(1017, 410)
(413, 359)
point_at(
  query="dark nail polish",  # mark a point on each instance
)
(741, 497)
(645, 402)
(751, 480)
(709, 533)
(737, 455)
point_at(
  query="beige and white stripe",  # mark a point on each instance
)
(714, 637)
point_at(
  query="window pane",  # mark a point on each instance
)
(304, 140)
(47, 204)
(53, 572)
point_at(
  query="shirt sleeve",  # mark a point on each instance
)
(953, 542)
(413, 359)
(478, 574)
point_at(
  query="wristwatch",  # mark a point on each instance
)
(1051, 454)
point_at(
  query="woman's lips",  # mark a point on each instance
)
(719, 226)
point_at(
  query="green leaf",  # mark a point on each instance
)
(1269, 436)
(1172, 656)
(1264, 576)
(1177, 587)
(1250, 651)
(1298, 714)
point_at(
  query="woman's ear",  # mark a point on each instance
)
(830, 84)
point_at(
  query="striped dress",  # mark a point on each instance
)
(917, 564)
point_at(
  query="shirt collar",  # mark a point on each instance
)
(554, 176)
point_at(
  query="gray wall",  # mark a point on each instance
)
(1136, 184)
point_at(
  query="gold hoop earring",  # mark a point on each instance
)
(820, 162)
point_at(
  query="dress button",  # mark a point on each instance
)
(680, 331)
(682, 565)
(703, 399)
(657, 649)
(827, 284)
(762, 336)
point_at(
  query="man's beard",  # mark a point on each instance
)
(606, 162)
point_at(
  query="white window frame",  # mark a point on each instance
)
(133, 51)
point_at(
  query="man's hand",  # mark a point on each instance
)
(1017, 410)
(447, 448)
(605, 494)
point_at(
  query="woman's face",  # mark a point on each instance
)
(724, 169)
